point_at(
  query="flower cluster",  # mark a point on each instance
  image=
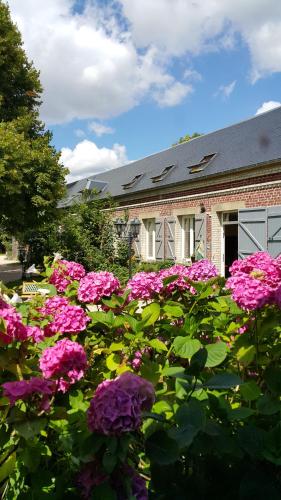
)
(144, 285)
(117, 404)
(65, 272)
(92, 475)
(65, 318)
(14, 328)
(202, 270)
(179, 283)
(66, 361)
(96, 285)
(255, 281)
(26, 389)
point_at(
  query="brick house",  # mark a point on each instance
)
(216, 196)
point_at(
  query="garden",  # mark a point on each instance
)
(164, 387)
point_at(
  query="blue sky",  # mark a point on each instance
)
(123, 79)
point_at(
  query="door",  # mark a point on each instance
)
(170, 227)
(274, 231)
(200, 236)
(252, 231)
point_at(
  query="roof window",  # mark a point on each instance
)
(132, 183)
(198, 167)
(163, 174)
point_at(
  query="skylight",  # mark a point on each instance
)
(163, 174)
(131, 184)
(198, 167)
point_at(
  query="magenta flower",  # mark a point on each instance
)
(117, 404)
(35, 333)
(14, 328)
(65, 318)
(66, 361)
(179, 283)
(27, 389)
(255, 280)
(91, 475)
(65, 272)
(144, 285)
(96, 285)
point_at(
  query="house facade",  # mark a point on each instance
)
(217, 196)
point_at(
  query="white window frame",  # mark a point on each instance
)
(191, 222)
(147, 224)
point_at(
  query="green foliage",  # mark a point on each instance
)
(31, 178)
(186, 138)
(214, 430)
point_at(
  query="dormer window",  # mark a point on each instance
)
(198, 167)
(132, 183)
(163, 174)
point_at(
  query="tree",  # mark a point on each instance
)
(187, 138)
(31, 177)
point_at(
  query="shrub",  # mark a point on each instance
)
(176, 395)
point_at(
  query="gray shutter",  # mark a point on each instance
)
(200, 236)
(252, 231)
(170, 228)
(274, 231)
(159, 239)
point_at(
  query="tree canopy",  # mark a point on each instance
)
(31, 177)
(187, 138)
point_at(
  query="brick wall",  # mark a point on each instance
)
(241, 195)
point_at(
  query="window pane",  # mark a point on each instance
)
(187, 237)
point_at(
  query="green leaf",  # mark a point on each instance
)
(240, 413)
(273, 379)
(116, 346)
(250, 391)
(31, 427)
(173, 311)
(185, 347)
(191, 413)
(184, 435)
(109, 461)
(216, 354)
(245, 355)
(150, 314)
(158, 345)
(104, 492)
(268, 406)
(198, 362)
(150, 370)
(172, 371)
(161, 449)
(223, 381)
(7, 467)
(113, 362)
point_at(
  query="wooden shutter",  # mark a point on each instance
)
(252, 231)
(170, 228)
(274, 231)
(137, 245)
(159, 239)
(200, 236)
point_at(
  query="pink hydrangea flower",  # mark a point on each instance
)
(35, 333)
(180, 282)
(202, 270)
(144, 285)
(65, 318)
(66, 361)
(255, 280)
(14, 328)
(27, 389)
(117, 404)
(91, 475)
(96, 285)
(65, 272)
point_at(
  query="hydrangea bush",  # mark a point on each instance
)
(166, 389)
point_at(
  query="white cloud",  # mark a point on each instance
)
(173, 95)
(86, 158)
(226, 90)
(89, 66)
(93, 67)
(192, 74)
(187, 26)
(267, 106)
(99, 129)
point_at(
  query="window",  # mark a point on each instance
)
(230, 217)
(202, 164)
(163, 174)
(150, 238)
(187, 236)
(132, 183)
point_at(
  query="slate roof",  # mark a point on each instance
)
(253, 142)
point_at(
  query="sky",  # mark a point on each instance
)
(124, 79)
